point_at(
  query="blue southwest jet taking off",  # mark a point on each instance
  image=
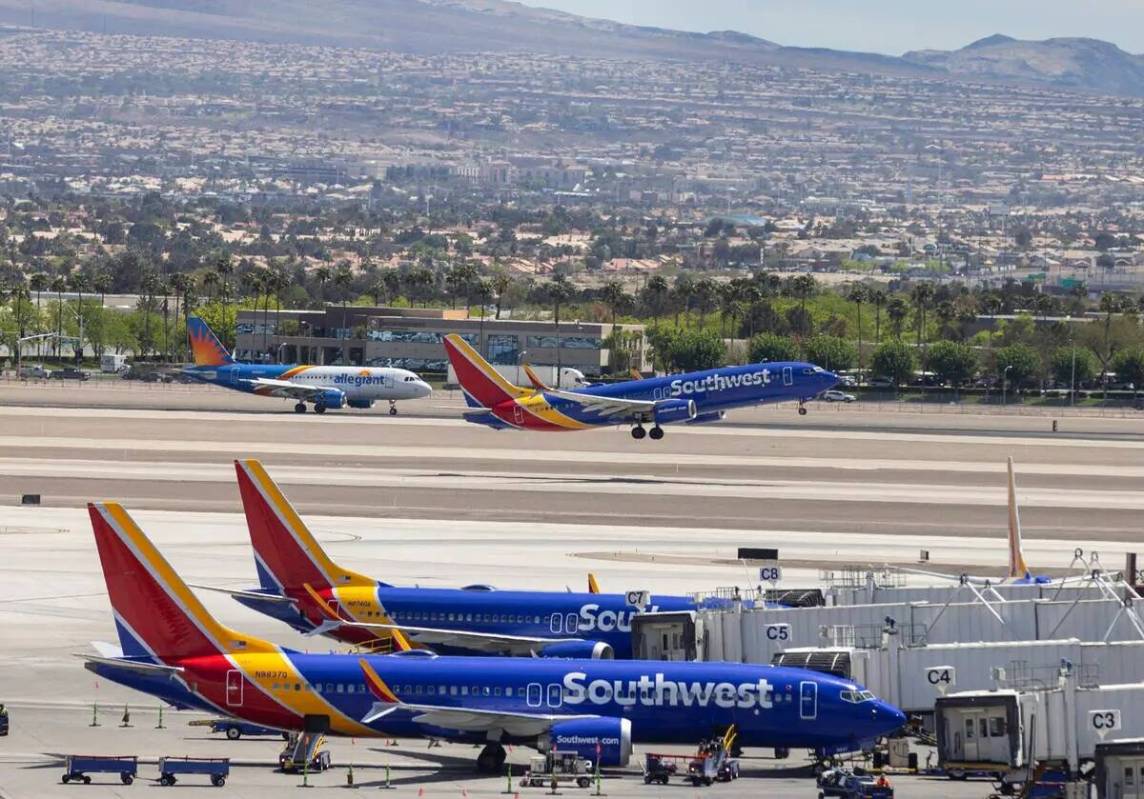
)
(693, 398)
(172, 648)
(323, 386)
(302, 587)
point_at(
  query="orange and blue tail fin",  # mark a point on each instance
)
(206, 349)
(481, 383)
(286, 553)
(157, 615)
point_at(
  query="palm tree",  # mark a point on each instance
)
(729, 305)
(211, 281)
(501, 284)
(706, 295)
(180, 285)
(79, 283)
(858, 296)
(392, 282)
(922, 296)
(656, 292)
(878, 299)
(163, 288)
(148, 285)
(38, 283)
(224, 268)
(559, 291)
(803, 288)
(613, 295)
(682, 294)
(342, 279)
(323, 275)
(59, 285)
(897, 310)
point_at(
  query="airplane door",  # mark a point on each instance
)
(808, 700)
(788, 376)
(234, 688)
(517, 413)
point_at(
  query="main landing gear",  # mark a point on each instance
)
(393, 407)
(300, 407)
(638, 432)
(491, 759)
(802, 407)
(319, 407)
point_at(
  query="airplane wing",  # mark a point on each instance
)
(482, 642)
(261, 597)
(284, 388)
(606, 406)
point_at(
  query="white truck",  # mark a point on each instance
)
(112, 363)
(569, 378)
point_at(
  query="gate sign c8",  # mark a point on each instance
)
(1103, 722)
(770, 572)
(777, 632)
(941, 677)
(638, 599)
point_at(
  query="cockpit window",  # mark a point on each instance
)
(857, 697)
(808, 371)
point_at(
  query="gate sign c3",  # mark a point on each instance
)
(770, 572)
(1104, 721)
(638, 599)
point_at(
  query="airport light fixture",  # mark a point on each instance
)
(1004, 377)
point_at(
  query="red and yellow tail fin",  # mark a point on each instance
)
(284, 548)
(206, 349)
(150, 601)
(477, 377)
(534, 378)
(593, 586)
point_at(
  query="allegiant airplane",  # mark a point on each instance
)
(691, 398)
(322, 386)
(174, 649)
(302, 586)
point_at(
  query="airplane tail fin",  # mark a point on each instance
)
(593, 586)
(478, 379)
(286, 553)
(635, 374)
(205, 346)
(156, 614)
(534, 378)
(1018, 569)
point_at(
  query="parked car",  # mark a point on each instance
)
(70, 373)
(833, 395)
(880, 382)
(34, 371)
(847, 381)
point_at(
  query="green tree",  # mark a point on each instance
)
(858, 294)
(897, 310)
(878, 299)
(772, 347)
(1062, 362)
(1129, 366)
(895, 360)
(952, 362)
(831, 352)
(688, 350)
(922, 296)
(1017, 364)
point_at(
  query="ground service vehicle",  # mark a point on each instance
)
(847, 785)
(558, 767)
(78, 768)
(217, 768)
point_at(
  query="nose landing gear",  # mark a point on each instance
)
(802, 407)
(393, 407)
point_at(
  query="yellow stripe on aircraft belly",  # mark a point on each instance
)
(265, 669)
(539, 407)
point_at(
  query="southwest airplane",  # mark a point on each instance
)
(172, 648)
(302, 587)
(692, 398)
(323, 386)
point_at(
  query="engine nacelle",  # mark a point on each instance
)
(608, 740)
(581, 650)
(674, 410)
(707, 418)
(332, 398)
(363, 404)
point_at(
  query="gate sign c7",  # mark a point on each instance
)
(638, 599)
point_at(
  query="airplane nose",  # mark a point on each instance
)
(424, 389)
(830, 378)
(886, 717)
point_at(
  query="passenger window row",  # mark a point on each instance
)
(486, 618)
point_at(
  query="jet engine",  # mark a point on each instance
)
(360, 403)
(707, 418)
(332, 398)
(610, 737)
(674, 410)
(583, 650)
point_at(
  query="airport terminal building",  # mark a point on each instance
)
(413, 338)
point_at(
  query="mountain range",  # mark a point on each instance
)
(442, 26)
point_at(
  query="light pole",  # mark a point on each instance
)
(1004, 377)
(1072, 347)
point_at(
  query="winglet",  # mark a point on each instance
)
(1018, 569)
(534, 378)
(593, 586)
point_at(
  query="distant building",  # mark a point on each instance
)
(413, 338)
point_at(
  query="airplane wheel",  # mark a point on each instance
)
(656, 433)
(638, 433)
(801, 411)
(300, 407)
(233, 733)
(319, 409)
(392, 410)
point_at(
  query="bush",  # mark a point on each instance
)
(1062, 365)
(1022, 362)
(1129, 366)
(772, 347)
(689, 350)
(895, 360)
